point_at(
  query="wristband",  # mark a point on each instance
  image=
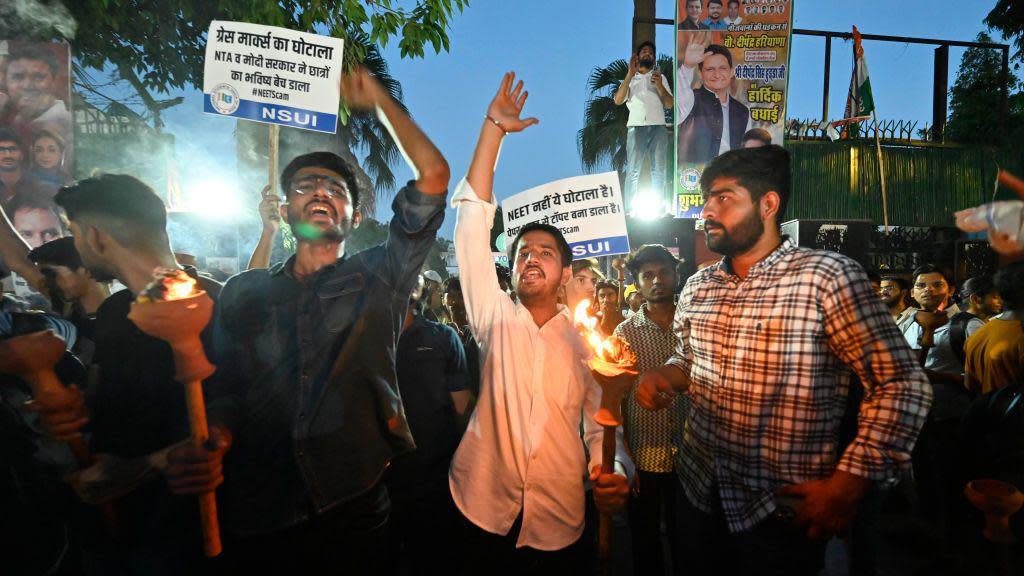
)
(496, 123)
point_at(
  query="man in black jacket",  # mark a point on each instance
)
(711, 120)
(305, 353)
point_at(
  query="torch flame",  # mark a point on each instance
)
(180, 287)
(603, 347)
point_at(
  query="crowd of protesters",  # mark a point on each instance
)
(368, 416)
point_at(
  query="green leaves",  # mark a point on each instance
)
(164, 42)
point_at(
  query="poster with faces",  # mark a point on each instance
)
(732, 73)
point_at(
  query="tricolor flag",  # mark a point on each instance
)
(859, 103)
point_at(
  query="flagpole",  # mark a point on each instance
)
(881, 174)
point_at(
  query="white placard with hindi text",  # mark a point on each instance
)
(273, 75)
(587, 209)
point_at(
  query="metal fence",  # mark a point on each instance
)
(926, 184)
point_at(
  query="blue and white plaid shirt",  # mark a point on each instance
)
(769, 359)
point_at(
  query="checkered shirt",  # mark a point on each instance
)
(768, 357)
(652, 436)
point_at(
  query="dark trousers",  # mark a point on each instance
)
(651, 503)
(349, 539)
(495, 555)
(423, 533)
(939, 483)
(704, 546)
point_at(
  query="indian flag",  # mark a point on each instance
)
(859, 103)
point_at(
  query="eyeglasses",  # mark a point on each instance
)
(9, 149)
(310, 184)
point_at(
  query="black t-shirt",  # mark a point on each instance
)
(431, 364)
(136, 408)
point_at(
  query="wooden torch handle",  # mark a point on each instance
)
(207, 500)
(47, 388)
(605, 527)
(1012, 182)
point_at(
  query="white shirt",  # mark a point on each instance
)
(731, 22)
(644, 103)
(522, 449)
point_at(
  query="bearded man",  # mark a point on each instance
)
(766, 342)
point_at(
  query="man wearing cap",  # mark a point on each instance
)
(634, 300)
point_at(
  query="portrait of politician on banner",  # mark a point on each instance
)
(35, 121)
(732, 63)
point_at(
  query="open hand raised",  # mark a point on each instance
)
(696, 50)
(508, 105)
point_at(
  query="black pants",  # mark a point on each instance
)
(349, 539)
(704, 546)
(652, 502)
(494, 555)
(939, 484)
(423, 534)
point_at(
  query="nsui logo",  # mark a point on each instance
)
(591, 248)
(293, 117)
(689, 179)
(224, 99)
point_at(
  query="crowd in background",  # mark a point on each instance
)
(373, 416)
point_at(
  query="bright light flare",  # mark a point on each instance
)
(648, 206)
(214, 198)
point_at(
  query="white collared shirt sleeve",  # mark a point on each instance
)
(684, 82)
(480, 289)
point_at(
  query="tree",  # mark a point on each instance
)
(153, 48)
(160, 46)
(603, 136)
(1008, 18)
(975, 100)
(363, 133)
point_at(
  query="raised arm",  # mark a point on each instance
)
(474, 201)
(418, 209)
(502, 118)
(623, 91)
(361, 91)
(271, 224)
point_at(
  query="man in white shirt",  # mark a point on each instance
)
(711, 121)
(734, 18)
(646, 94)
(518, 474)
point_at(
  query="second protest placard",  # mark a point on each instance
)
(587, 209)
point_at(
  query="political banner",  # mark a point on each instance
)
(732, 74)
(587, 209)
(273, 75)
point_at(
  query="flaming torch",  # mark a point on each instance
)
(612, 358)
(32, 357)
(173, 310)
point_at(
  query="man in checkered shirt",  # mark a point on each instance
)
(652, 436)
(767, 339)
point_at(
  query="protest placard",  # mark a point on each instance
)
(587, 209)
(273, 75)
(732, 58)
